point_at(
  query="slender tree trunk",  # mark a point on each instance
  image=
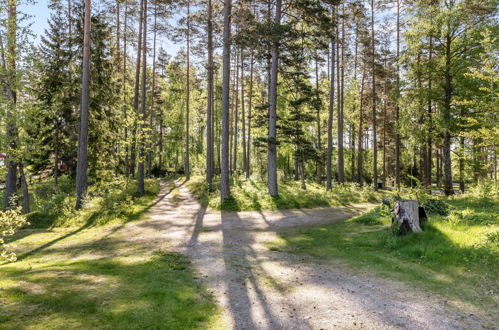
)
(329, 170)
(461, 164)
(224, 183)
(397, 105)
(153, 92)
(188, 94)
(133, 154)
(56, 155)
(209, 132)
(341, 71)
(272, 148)
(243, 114)
(140, 168)
(446, 150)
(125, 114)
(236, 112)
(385, 105)
(360, 157)
(319, 145)
(430, 124)
(81, 167)
(375, 141)
(250, 110)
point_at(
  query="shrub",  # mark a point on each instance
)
(436, 206)
(10, 221)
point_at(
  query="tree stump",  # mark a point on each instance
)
(407, 217)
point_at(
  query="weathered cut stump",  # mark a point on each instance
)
(408, 217)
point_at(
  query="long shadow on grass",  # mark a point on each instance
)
(159, 292)
(91, 222)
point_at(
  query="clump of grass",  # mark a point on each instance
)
(456, 255)
(249, 195)
(107, 283)
(106, 202)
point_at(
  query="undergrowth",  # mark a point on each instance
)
(249, 195)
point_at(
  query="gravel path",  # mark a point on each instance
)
(262, 289)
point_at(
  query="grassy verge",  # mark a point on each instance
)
(107, 202)
(97, 279)
(457, 255)
(249, 195)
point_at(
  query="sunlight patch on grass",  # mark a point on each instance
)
(249, 195)
(456, 255)
(88, 280)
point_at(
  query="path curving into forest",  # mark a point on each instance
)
(262, 289)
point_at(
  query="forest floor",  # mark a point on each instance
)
(135, 275)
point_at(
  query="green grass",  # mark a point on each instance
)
(456, 255)
(106, 202)
(249, 195)
(95, 278)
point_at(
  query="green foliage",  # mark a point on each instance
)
(250, 195)
(436, 206)
(456, 255)
(10, 221)
(106, 202)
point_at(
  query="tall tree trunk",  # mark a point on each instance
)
(243, 115)
(224, 182)
(397, 105)
(375, 141)
(56, 154)
(272, 148)
(236, 111)
(430, 124)
(133, 153)
(360, 157)
(250, 110)
(81, 167)
(385, 105)
(125, 114)
(461, 164)
(446, 149)
(140, 168)
(319, 145)
(153, 92)
(329, 170)
(341, 71)
(188, 94)
(209, 132)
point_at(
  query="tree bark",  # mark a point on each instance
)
(243, 114)
(446, 149)
(81, 167)
(153, 92)
(329, 170)
(341, 75)
(209, 132)
(272, 148)
(360, 150)
(375, 142)
(407, 217)
(133, 154)
(319, 145)
(140, 168)
(397, 105)
(224, 182)
(188, 94)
